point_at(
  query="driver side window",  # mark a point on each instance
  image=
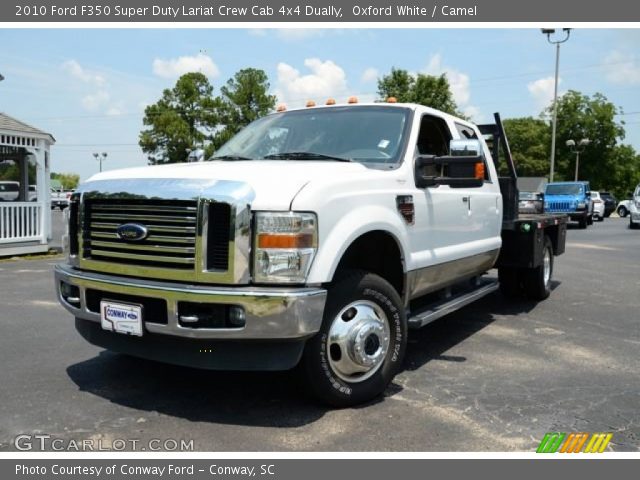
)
(434, 137)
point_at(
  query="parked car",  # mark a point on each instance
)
(598, 206)
(634, 209)
(9, 191)
(572, 198)
(624, 207)
(610, 203)
(60, 198)
(531, 202)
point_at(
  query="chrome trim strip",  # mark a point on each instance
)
(432, 278)
(271, 313)
(150, 249)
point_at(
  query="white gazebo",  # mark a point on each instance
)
(25, 221)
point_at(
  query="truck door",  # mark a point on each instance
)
(484, 205)
(441, 213)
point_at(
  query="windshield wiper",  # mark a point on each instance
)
(304, 156)
(231, 157)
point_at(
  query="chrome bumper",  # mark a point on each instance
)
(271, 312)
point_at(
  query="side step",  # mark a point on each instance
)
(451, 304)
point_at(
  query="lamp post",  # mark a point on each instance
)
(100, 157)
(577, 148)
(548, 32)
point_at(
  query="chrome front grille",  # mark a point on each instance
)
(171, 239)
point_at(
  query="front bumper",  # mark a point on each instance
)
(635, 215)
(272, 313)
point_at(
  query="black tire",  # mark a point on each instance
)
(633, 226)
(601, 219)
(319, 356)
(589, 219)
(510, 282)
(582, 223)
(537, 285)
(622, 211)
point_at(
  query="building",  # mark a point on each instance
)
(25, 209)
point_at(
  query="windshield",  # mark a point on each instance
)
(528, 196)
(361, 134)
(571, 189)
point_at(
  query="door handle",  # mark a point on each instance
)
(467, 200)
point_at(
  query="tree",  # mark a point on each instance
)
(244, 99)
(69, 181)
(183, 119)
(429, 90)
(581, 116)
(529, 140)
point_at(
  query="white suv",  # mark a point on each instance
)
(634, 209)
(598, 206)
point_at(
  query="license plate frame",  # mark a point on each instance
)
(122, 318)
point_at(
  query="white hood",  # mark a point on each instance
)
(275, 182)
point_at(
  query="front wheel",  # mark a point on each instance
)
(633, 226)
(361, 344)
(582, 223)
(622, 211)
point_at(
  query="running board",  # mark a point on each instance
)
(451, 304)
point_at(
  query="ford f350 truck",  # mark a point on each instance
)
(314, 238)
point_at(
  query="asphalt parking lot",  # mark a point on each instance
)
(495, 376)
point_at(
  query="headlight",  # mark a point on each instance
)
(581, 205)
(637, 202)
(285, 244)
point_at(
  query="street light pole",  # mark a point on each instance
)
(548, 32)
(100, 157)
(578, 148)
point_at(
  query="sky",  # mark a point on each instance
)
(89, 87)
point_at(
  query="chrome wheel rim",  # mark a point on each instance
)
(358, 341)
(546, 262)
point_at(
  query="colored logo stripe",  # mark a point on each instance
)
(598, 442)
(574, 442)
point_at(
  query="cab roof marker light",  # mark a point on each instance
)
(310, 103)
(331, 101)
(352, 99)
(392, 100)
(281, 108)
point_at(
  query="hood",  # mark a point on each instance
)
(275, 183)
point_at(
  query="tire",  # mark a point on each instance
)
(601, 219)
(537, 281)
(633, 226)
(582, 223)
(622, 211)
(590, 219)
(510, 282)
(332, 356)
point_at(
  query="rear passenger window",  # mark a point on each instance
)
(465, 132)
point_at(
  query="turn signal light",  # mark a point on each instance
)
(274, 240)
(479, 171)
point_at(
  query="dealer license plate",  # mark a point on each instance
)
(121, 318)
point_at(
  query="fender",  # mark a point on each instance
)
(334, 243)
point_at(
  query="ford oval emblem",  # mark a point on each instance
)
(132, 232)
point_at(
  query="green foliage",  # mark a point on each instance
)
(190, 116)
(69, 181)
(243, 99)
(429, 90)
(529, 139)
(181, 120)
(606, 163)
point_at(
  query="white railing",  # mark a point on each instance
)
(20, 222)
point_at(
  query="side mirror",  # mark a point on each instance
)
(464, 168)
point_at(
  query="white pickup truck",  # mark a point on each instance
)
(314, 238)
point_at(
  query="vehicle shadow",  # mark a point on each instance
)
(266, 399)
